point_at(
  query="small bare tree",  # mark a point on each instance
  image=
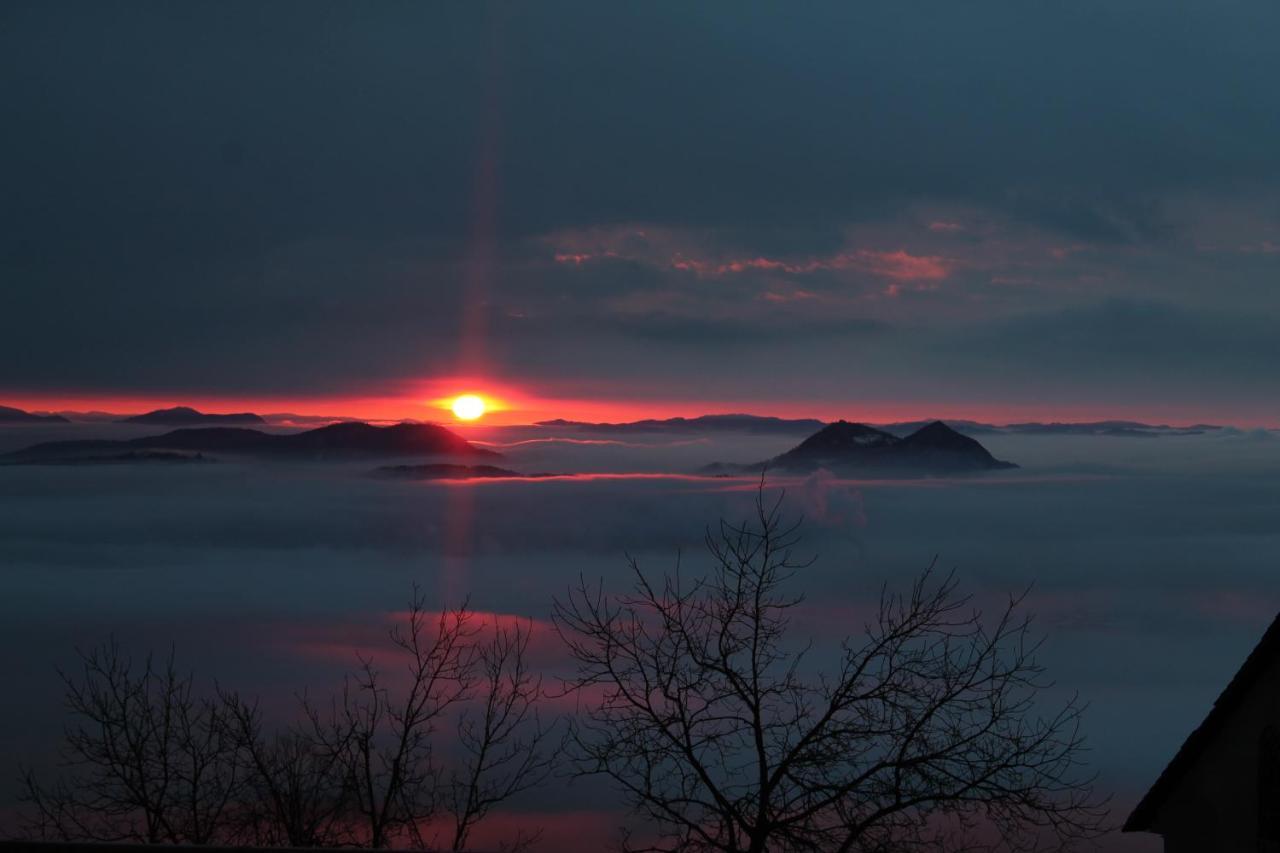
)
(150, 762)
(146, 760)
(295, 791)
(385, 741)
(504, 740)
(927, 734)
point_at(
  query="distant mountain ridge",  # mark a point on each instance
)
(765, 425)
(179, 416)
(333, 441)
(10, 415)
(1114, 429)
(187, 416)
(850, 447)
(1118, 429)
(757, 424)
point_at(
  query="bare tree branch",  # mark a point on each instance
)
(929, 731)
(295, 793)
(145, 760)
(506, 741)
(149, 762)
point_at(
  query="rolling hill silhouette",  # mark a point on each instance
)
(10, 415)
(764, 425)
(186, 416)
(754, 424)
(335, 441)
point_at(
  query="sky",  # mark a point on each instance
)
(997, 210)
(1002, 211)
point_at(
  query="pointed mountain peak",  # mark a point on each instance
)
(843, 436)
(939, 435)
(935, 448)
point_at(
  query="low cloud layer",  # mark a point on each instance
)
(271, 576)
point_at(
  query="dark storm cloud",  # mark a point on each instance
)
(696, 331)
(244, 196)
(213, 126)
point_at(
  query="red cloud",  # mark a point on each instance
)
(681, 252)
(347, 643)
(793, 296)
(753, 264)
(903, 266)
(899, 265)
(580, 258)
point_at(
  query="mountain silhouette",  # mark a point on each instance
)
(9, 415)
(857, 448)
(754, 424)
(186, 416)
(328, 442)
(904, 428)
(939, 446)
(1114, 429)
(839, 440)
(763, 425)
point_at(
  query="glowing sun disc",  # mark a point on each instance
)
(468, 407)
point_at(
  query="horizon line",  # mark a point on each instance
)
(500, 418)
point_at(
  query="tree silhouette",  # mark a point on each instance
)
(148, 761)
(503, 741)
(926, 733)
(384, 739)
(296, 792)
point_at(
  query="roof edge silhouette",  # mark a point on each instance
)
(1143, 816)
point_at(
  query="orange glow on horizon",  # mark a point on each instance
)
(433, 400)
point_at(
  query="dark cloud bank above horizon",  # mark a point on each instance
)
(987, 202)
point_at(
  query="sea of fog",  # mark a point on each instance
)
(1153, 565)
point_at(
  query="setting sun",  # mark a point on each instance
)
(468, 407)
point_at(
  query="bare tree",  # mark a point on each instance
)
(295, 793)
(927, 733)
(385, 738)
(146, 760)
(384, 742)
(504, 741)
